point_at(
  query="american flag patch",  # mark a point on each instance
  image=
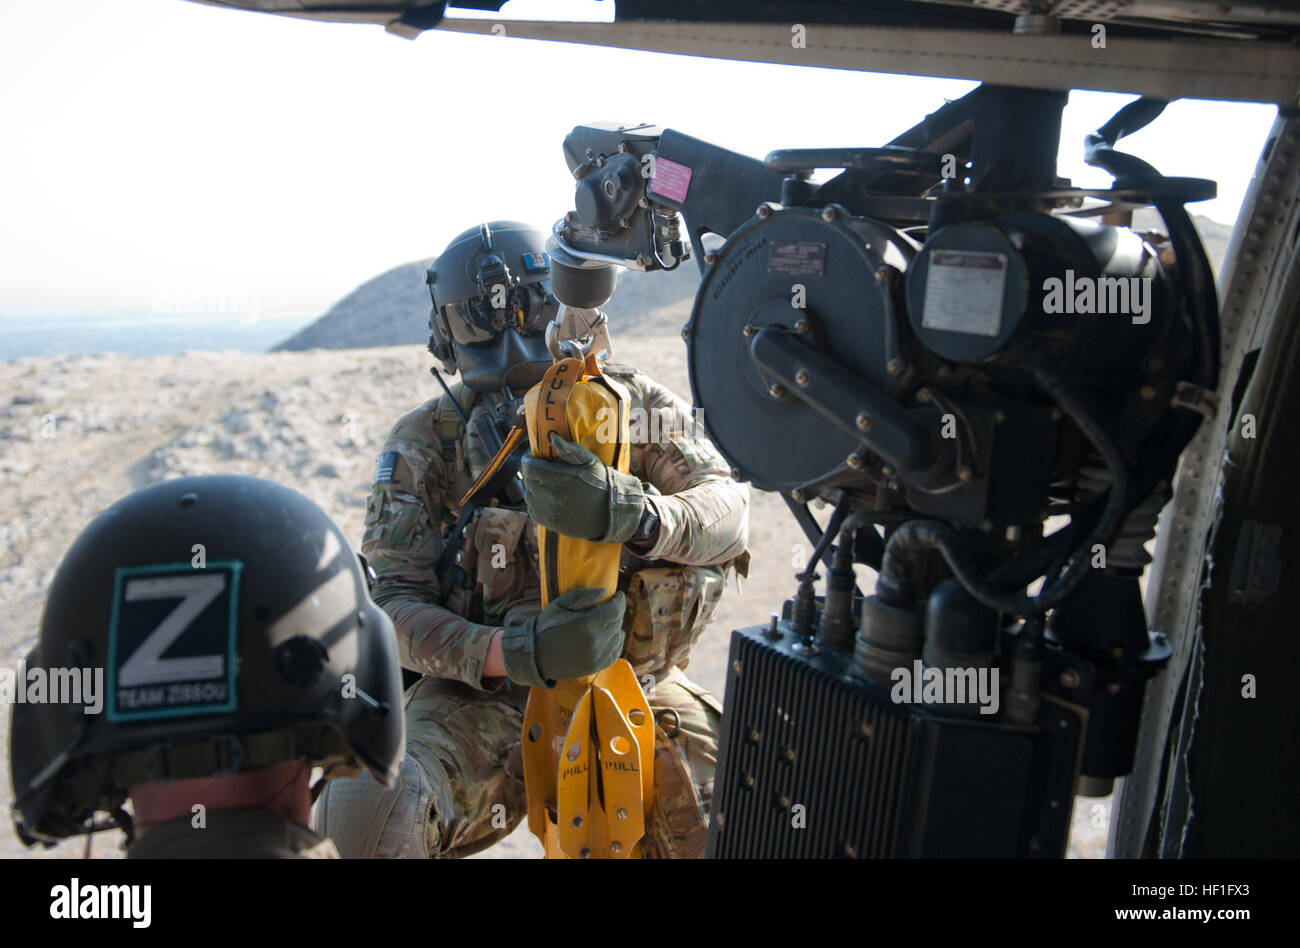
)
(384, 467)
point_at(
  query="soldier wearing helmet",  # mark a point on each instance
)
(239, 648)
(461, 583)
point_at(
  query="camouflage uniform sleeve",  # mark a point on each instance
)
(703, 513)
(402, 542)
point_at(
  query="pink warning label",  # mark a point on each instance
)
(670, 180)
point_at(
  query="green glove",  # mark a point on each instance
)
(579, 496)
(575, 635)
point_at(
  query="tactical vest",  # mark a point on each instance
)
(495, 561)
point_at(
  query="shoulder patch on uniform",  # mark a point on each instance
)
(171, 640)
(618, 368)
(385, 466)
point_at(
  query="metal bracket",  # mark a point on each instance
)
(576, 332)
(1196, 398)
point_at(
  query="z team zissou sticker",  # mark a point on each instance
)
(172, 640)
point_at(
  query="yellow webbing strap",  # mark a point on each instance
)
(588, 743)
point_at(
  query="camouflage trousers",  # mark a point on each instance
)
(461, 785)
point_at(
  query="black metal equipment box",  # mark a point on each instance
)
(815, 761)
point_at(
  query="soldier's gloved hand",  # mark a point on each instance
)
(580, 496)
(575, 635)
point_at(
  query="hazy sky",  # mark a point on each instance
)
(156, 150)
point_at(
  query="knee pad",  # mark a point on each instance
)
(368, 821)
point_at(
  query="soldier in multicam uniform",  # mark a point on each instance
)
(477, 634)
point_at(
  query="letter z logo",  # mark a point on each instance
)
(172, 640)
(146, 666)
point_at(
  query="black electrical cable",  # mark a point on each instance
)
(832, 530)
(1098, 146)
(1197, 286)
(1193, 271)
(844, 552)
(447, 388)
(895, 584)
(1198, 289)
(1025, 566)
(837, 624)
(1112, 516)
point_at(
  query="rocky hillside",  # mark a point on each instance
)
(391, 309)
